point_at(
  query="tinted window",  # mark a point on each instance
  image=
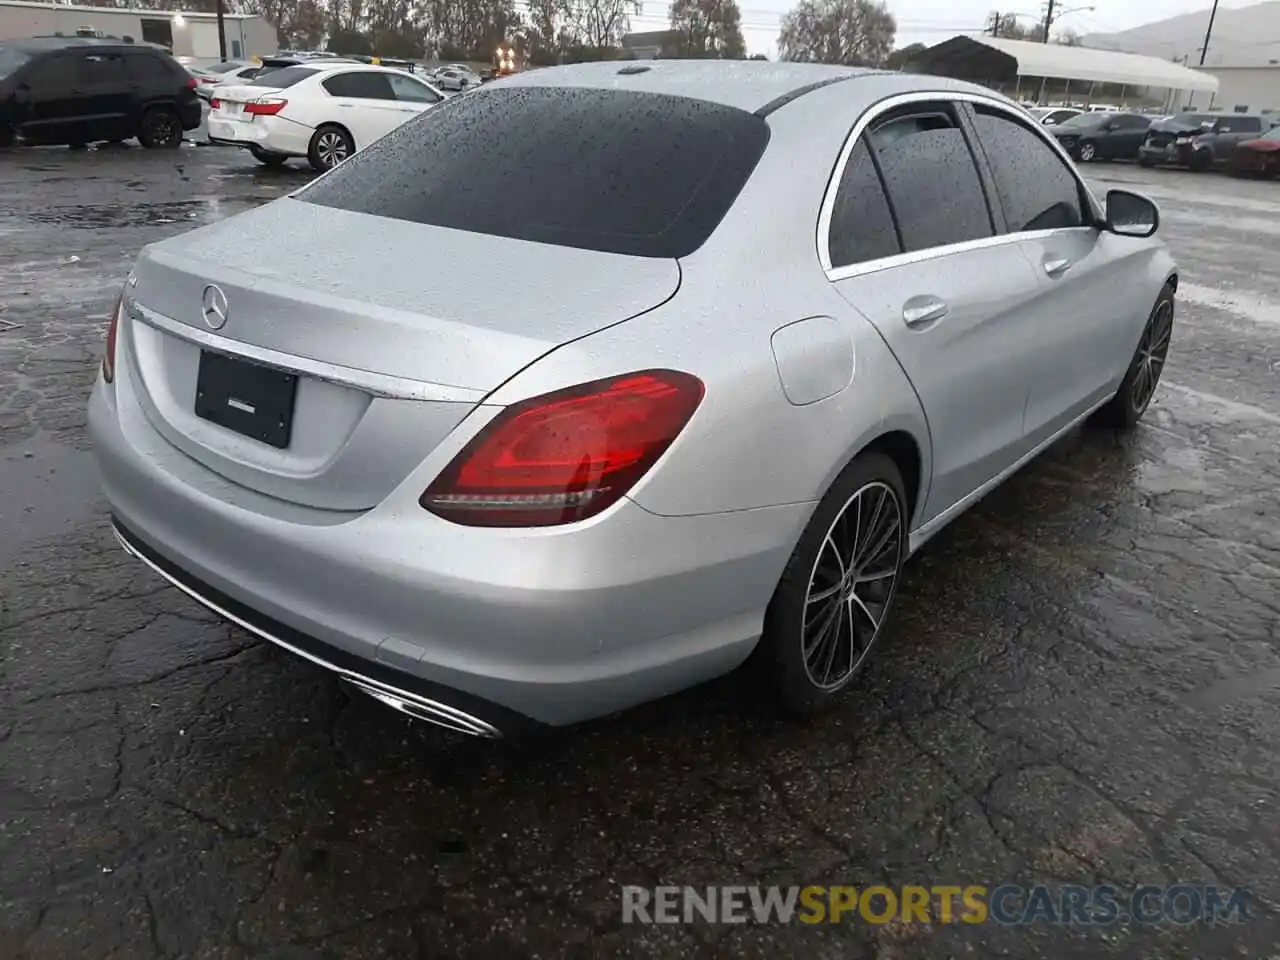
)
(1086, 120)
(633, 173)
(101, 69)
(50, 76)
(1130, 122)
(1246, 125)
(144, 67)
(932, 182)
(1192, 119)
(1035, 188)
(282, 77)
(11, 59)
(407, 88)
(861, 224)
(363, 86)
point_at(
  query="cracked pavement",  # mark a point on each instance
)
(1081, 685)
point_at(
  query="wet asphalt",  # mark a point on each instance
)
(1081, 685)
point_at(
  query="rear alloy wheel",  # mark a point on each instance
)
(160, 129)
(1088, 151)
(838, 588)
(267, 158)
(1137, 388)
(330, 145)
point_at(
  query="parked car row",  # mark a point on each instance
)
(1241, 143)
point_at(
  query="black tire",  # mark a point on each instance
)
(267, 158)
(1144, 162)
(160, 129)
(1200, 161)
(1089, 147)
(330, 145)
(7, 136)
(797, 617)
(1126, 408)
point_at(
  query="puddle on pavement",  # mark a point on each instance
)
(1181, 470)
(108, 215)
(49, 488)
(1242, 303)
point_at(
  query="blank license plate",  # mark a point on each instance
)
(252, 400)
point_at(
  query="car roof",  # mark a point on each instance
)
(50, 44)
(746, 84)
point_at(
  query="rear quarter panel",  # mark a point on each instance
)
(748, 446)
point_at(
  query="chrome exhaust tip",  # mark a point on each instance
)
(420, 708)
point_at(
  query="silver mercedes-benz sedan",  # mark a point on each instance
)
(606, 379)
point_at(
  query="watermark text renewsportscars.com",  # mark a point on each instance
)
(1007, 904)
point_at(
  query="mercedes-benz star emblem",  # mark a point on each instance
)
(215, 307)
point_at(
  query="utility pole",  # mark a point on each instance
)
(1048, 22)
(222, 33)
(995, 23)
(1204, 51)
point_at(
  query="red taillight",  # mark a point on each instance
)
(565, 456)
(215, 104)
(192, 83)
(265, 106)
(109, 355)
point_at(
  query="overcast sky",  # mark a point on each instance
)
(932, 21)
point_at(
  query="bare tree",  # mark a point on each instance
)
(599, 23)
(852, 32)
(708, 29)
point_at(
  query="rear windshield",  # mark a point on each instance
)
(281, 77)
(641, 174)
(11, 58)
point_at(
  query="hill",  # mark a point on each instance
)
(1245, 36)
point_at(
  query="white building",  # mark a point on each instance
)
(1254, 89)
(186, 34)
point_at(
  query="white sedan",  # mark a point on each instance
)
(320, 111)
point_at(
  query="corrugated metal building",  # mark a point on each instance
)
(1247, 89)
(186, 34)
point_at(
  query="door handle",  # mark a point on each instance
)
(1057, 267)
(922, 311)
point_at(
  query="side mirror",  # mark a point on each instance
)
(1131, 214)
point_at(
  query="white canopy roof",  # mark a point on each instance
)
(1060, 62)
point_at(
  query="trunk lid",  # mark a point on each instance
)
(395, 331)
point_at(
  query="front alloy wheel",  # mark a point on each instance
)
(1087, 152)
(1137, 388)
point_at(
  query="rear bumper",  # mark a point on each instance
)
(272, 134)
(1172, 155)
(410, 694)
(554, 625)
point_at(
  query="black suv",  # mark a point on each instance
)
(72, 90)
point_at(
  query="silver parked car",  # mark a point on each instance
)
(674, 378)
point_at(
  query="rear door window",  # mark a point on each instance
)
(282, 77)
(146, 68)
(361, 85)
(1035, 188)
(619, 171)
(930, 177)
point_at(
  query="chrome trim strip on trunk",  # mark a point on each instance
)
(376, 384)
(410, 704)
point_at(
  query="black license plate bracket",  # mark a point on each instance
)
(247, 398)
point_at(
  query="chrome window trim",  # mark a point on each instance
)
(377, 384)
(868, 117)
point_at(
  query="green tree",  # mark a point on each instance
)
(708, 29)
